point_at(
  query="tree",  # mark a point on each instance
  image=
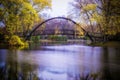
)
(112, 16)
(83, 10)
(39, 5)
(104, 14)
(20, 15)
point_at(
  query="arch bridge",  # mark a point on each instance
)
(40, 24)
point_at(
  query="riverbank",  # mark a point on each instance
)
(68, 42)
(82, 42)
(107, 44)
(6, 46)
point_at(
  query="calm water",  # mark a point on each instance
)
(62, 62)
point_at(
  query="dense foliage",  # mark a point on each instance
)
(35, 39)
(16, 41)
(57, 38)
(19, 16)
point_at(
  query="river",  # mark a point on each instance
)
(60, 62)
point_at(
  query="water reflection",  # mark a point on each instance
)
(68, 62)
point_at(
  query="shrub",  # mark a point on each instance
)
(57, 38)
(35, 38)
(16, 41)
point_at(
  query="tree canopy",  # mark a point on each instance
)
(20, 15)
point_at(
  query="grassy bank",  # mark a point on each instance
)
(107, 44)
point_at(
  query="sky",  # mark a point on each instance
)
(60, 7)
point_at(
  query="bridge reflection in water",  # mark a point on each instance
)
(66, 62)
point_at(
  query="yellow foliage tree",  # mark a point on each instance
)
(20, 15)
